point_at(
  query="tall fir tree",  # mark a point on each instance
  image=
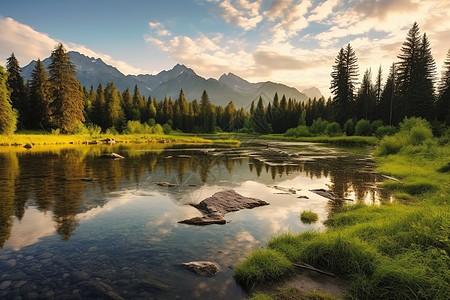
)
(19, 91)
(344, 77)
(39, 97)
(366, 98)
(67, 99)
(8, 118)
(98, 111)
(113, 109)
(229, 117)
(388, 98)
(207, 114)
(259, 118)
(443, 100)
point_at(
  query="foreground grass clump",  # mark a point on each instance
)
(291, 294)
(262, 266)
(308, 217)
(397, 250)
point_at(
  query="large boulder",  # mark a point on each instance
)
(215, 207)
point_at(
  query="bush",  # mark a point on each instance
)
(409, 123)
(349, 127)
(333, 129)
(298, 131)
(419, 134)
(166, 128)
(318, 126)
(383, 131)
(363, 128)
(375, 125)
(308, 217)
(389, 145)
(157, 129)
(262, 266)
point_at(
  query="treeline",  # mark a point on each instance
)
(58, 101)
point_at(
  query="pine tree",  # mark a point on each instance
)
(344, 76)
(259, 118)
(8, 118)
(127, 104)
(229, 117)
(378, 90)
(39, 97)
(366, 98)
(387, 99)
(19, 92)
(67, 100)
(415, 77)
(443, 100)
(98, 112)
(207, 114)
(113, 109)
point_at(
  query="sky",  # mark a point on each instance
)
(294, 42)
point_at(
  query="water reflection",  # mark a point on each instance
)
(51, 181)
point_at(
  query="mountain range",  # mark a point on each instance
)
(93, 71)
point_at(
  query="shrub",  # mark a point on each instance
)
(383, 131)
(318, 126)
(262, 266)
(349, 127)
(166, 128)
(298, 131)
(94, 130)
(157, 129)
(419, 134)
(363, 128)
(375, 125)
(409, 123)
(308, 217)
(151, 122)
(333, 129)
(389, 145)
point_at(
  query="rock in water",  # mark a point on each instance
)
(167, 184)
(28, 146)
(112, 156)
(227, 201)
(205, 268)
(324, 193)
(216, 206)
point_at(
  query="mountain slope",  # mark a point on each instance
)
(229, 87)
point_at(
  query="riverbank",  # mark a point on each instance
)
(397, 250)
(61, 139)
(336, 140)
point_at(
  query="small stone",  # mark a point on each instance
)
(93, 249)
(303, 197)
(29, 257)
(11, 263)
(28, 146)
(3, 257)
(32, 296)
(45, 255)
(20, 284)
(4, 284)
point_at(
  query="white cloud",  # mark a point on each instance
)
(322, 11)
(242, 13)
(29, 44)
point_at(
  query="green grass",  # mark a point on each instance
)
(308, 217)
(292, 294)
(397, 250)
(262, 266)
(43, 138)
(338, 140)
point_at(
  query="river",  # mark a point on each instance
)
(74, 225)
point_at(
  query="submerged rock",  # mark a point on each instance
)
(215, 207)
(324, 193)
(167, 184)
(112, 156)
(28, 146)
(205, 268)
(205, 220)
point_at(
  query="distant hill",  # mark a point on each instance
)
(229, 87)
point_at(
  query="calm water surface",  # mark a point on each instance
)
(118, 237)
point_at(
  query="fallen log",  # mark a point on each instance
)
(311, 268)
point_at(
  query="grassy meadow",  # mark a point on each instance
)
(398, 250)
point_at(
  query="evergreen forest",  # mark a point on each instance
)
(54, 100)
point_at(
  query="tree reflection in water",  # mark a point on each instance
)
(51, 179)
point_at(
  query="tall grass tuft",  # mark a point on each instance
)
(263, 265)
